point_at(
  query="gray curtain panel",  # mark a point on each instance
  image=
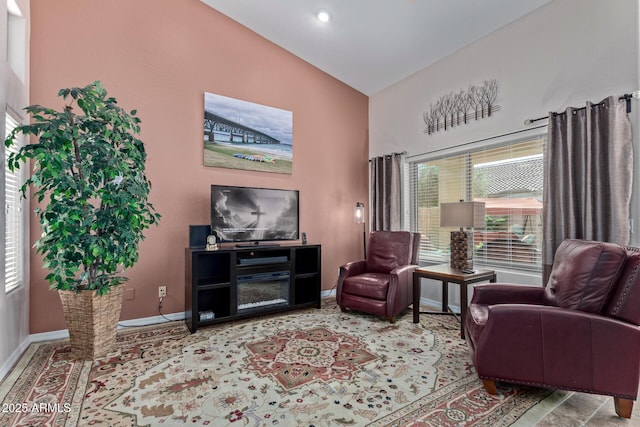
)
(386, 192)
(588, 173)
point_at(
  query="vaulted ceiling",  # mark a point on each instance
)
(368, 44)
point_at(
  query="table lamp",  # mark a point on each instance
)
(463, 215)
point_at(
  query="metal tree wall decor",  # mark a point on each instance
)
(454, 109)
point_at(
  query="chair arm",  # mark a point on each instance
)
(353, 268)
(400, 294)
(505, 293)
(347, 270)
(405, 270)
(559, 348)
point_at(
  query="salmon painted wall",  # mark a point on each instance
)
(159, 57)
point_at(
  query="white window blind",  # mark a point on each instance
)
(14, 218)
(507, 176)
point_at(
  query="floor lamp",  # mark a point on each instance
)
(463, 215)
(359, 218)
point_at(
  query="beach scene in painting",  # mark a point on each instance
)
(243, 135)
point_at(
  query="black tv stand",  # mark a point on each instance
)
(257, 245)
(234, 283)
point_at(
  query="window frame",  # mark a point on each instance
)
(465, 152)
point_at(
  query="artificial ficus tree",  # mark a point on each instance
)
(89, 179)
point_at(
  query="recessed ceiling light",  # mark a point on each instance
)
(323, 15)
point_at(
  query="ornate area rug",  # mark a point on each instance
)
(303, 368)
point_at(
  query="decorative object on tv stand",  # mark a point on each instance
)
(454, 109)
(359, 213)
(464, 215)
(212, 243)
(90, 186)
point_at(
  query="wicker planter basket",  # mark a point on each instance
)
(92, 321)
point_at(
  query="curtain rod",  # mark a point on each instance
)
(402, 153)
(627, 97)
(476, 141)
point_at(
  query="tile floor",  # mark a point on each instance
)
(572, 409)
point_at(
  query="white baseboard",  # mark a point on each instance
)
(13, 359)
(330, 292)
(153, 320)
(144, 321)
(438, 303)
(46, 336)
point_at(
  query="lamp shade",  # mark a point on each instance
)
(358, 213)
(463, 214)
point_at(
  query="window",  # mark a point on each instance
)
(14, 218)
(507, 176)
(16, 40)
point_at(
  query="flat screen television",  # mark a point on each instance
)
(251, 214)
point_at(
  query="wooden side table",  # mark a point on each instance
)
(445, 274)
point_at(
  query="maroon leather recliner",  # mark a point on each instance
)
(579, 333)
(381, 284)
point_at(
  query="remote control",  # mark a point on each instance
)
(467, 271)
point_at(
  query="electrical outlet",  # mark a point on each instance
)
(162, 291)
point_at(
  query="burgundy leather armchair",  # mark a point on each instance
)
(381, 284)
(579, 333)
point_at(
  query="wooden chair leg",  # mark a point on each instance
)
(490, 386)
(623, 407)
(392, 319)
(343, 309)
